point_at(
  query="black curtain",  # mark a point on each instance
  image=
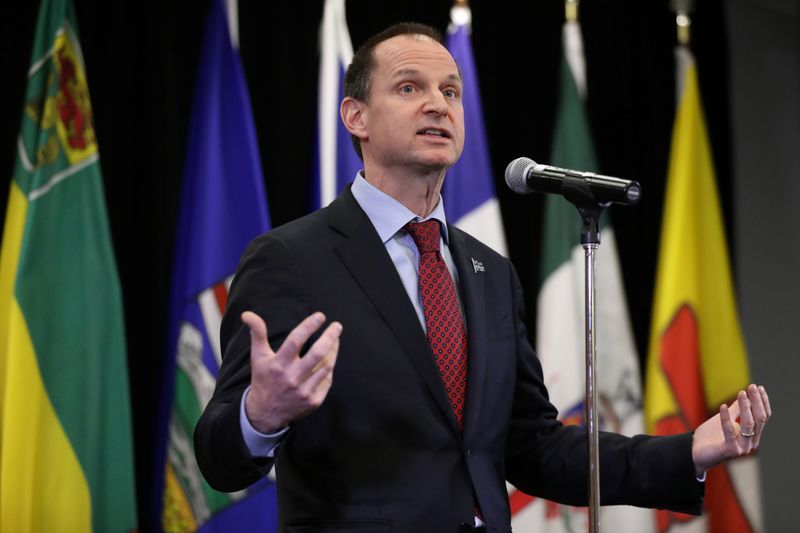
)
(141, 60)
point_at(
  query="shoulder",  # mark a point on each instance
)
(321, 227)
(474, 243)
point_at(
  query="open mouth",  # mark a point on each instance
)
(435, 132)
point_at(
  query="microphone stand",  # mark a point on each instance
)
(590, 240)
(580, 195)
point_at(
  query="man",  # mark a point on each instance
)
(438, 396)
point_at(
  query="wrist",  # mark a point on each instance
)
(264, 424)
(700, 457)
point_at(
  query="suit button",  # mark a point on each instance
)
(468, 453)
(466, 528)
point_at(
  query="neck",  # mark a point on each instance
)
(418, 192)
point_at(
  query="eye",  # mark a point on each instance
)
(450, 93)
(407, 89)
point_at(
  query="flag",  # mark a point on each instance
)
(697, 358)
(468, 192)
(223, 207)
(337, 161)
(66, 459)
(560, 325)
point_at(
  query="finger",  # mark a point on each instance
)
(747, 424)
(726, 422)
(765, 401)
(321, 379)
(332, 351)
(329, 340)
(759, 414)
(259, 342)
(734, 410)
(757, 406)
(290, 349)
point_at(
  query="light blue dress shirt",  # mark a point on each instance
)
(388, 216)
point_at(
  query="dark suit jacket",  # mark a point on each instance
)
(383, 452)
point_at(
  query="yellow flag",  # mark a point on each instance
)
(697, 358)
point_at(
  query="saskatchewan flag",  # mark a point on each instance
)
(560, 325)
(697, 357)
(65, 430)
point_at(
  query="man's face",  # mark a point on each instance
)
(414, 119)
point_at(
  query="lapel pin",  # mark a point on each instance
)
(477, 265)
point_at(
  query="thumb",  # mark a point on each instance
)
(259, 343)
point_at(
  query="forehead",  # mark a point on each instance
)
(414, 53)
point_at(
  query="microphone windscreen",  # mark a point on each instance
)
(516, 171)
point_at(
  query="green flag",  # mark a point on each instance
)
(65, 433)
(560, 325)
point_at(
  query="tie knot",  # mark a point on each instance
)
(425, 235)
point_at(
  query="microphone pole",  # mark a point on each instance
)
(590, 240)
(590, 212)
(578, 191)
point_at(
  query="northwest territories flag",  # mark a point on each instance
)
(337, 161)
(66, 461)
(560, 325)
(223, 207)
(697, 358)
(468, 191)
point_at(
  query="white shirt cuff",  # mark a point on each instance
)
(259, 444)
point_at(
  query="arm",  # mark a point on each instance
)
(284, 386)
(549, 460)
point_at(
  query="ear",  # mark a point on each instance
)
(354, 116)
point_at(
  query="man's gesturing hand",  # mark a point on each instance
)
(285, 386)
(734, 431)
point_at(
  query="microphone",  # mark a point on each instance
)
(524, 176)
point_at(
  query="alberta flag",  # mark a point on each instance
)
(468, 191)
(337, 162)
(223, 207)
(560, 325)
(697, 358)
(66, 459)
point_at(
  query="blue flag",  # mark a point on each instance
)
(337, 161)
(468, 192)
(223, 207)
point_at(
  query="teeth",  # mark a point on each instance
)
(434, 132)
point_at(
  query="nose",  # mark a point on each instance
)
(436, 103)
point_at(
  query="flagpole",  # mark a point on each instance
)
(683, 23)
(682, 9)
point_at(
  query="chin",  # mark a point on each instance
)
(438, 161)
(429, 167)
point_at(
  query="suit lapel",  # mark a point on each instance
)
(364, 255)
(471, 279)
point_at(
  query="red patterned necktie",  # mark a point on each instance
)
(447, 334)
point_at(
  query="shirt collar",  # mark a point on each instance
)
(387, 214)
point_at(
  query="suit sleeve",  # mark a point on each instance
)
(266, 283)
(549, 460)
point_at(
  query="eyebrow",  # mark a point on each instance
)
(414, 72)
